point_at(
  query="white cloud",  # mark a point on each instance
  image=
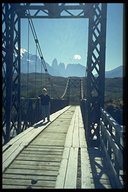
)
(77, 57)
(22, 51)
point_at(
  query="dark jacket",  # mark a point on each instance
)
(45, 99)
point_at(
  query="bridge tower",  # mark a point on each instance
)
(10, 70)
(11, 15)
(95, 70)
(73, 92)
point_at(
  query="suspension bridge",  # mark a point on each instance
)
(82, 146)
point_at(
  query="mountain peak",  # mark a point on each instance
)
(59, 69)
(55, 63)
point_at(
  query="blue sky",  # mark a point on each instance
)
(67, 39)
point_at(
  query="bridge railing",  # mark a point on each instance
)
(31, 110)
(111, 137)
(30, 113)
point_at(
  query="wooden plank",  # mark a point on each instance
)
(15, 146)
(44, 137)
(63, 168)
(40, 155)
(26, 182)
(35, 158)
(58, 113)
(71, 175)
(21, 135)
(69, 136)
(36, 166)
(25, 152)
(75, 142)
(25, 187)
(13, 187)
(47, 142)
(86, 175)
(32, 172)
(38, 177)
(5, 147)
(68, 141)
(11, 158)
(82, 140)
(30, 162)
(15, 139)
(33, 135)
(42, 150)
(81, 125)
(45, 147)
(10, 154)
(53, 135)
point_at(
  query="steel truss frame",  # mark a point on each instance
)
(11, 15)
(96, 70)
(10, 71)
(74, 86)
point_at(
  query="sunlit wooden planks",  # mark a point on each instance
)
(17, 144)
(71, 175)
(75, 140)
(40, 160)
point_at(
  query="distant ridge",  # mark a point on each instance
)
(59, 69)
(117, 72)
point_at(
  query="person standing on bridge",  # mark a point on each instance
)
(45, 102)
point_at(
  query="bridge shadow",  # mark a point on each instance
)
(40, 124)
(100, 168)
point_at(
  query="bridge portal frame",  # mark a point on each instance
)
(11, 16)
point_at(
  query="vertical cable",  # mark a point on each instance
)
(40, 52)
(28, 61)
(42, 74)
(35, 73)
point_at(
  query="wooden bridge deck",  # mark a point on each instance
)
(54, 155)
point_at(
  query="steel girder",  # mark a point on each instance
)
(10, 71)
(74, 90)
(96, 70)
(53, 10)
(11, 14)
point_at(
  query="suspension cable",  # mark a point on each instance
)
(66, 88)
(39, 49)
(37, 42)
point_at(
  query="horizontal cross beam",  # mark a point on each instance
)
(53, 10)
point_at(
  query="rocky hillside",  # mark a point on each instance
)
(59, 69)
